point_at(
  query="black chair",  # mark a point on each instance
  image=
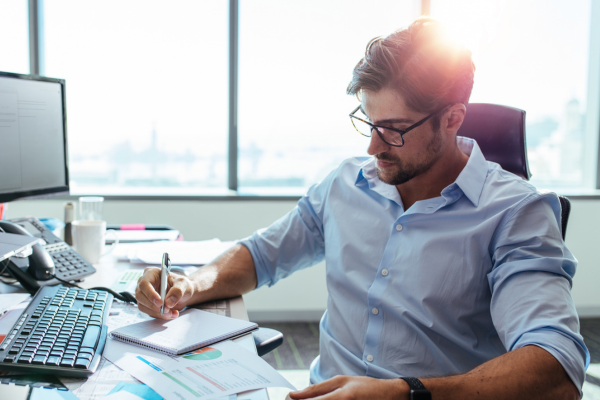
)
(267, 340)
(500, 133)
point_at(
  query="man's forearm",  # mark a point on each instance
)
(230, 275)
(526, 373)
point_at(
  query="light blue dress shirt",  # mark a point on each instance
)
(435, 290)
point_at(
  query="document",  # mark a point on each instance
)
(181, 253)
(8, 301)
(221, 370)
(8, 320)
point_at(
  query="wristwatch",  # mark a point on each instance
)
(417, 389)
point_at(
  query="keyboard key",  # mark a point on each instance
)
(24, 360)
(67, 362)
(9, 359)
(27, 354)
(82, 363)
(56, 353)
(53, 360)
(91, 337)
(40, 359)
(88, 350)
(87, 356)
(44, 348)
(14, 350)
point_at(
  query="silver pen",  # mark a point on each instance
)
(164, 275)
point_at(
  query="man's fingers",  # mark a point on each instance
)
(319, 389)
(179, 293)
(156, 314)
(176, 294)
(148, 283)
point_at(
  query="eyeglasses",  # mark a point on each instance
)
(393, 137)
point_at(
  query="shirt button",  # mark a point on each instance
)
(384, 272)
(375, 311)
(369, 358)
(398, 227)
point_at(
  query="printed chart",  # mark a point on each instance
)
(214, 372)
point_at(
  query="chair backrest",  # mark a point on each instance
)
(500, 134)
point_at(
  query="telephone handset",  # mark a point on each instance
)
(54, 258)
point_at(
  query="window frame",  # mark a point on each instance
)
(592, 163)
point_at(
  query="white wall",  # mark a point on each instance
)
(304, 295)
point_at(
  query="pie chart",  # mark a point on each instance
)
(205, 354)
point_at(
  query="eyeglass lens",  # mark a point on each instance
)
(389, 136)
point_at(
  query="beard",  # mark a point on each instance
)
(406, 171)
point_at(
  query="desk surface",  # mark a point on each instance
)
(108, 270)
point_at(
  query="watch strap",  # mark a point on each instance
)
(417, 389)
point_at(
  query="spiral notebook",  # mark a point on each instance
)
(192, 330)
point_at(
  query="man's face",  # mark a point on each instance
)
(422, 146)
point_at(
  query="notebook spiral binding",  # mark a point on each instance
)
(128, 339)
(172, 351)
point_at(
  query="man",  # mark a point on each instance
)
(441, 266)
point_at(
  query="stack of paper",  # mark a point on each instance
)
(181, 253)
(134, 236)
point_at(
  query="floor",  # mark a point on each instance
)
(301, 346)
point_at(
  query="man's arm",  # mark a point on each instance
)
(527, 373)
(230, 275)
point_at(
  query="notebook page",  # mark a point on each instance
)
(191, 328)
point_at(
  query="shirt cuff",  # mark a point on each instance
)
(566, 349)
(262, 272)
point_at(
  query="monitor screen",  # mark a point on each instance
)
(33, 137)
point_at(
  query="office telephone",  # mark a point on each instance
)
(48, 261)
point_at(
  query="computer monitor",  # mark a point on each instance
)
(33, 137)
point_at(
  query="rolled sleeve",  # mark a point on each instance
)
(531, 286)
(293, 242)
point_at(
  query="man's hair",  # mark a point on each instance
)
(421, 64)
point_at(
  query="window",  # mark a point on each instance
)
(14, 46)
(296, 59)
(532, 55)
(148, 85)
(146, 93)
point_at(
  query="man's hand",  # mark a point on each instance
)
(180, 290)
(355, 387)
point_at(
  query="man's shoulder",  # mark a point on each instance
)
(508, 189)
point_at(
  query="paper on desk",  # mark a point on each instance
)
(8, 320)
(181, 253)
(142, 236)
(213, 372)
(123, 395)
(8, 301)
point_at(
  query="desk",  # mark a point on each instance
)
(109, 269)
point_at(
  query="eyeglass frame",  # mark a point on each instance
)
(402, 132)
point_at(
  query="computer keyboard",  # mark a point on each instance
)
(61, 332)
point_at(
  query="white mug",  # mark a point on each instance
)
(89, 238)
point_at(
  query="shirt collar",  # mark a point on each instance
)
(470, 181)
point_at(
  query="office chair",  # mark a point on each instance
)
(267, 340)
(500, 133)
